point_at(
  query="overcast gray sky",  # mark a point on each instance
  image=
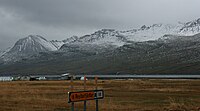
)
(60, 19)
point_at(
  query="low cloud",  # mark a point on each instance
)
(60, 19)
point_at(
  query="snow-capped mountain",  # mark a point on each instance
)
(174, 55)
(153, 32)
(145, 33)
(104, 38)
(191, 28)
(33, 44)
(159, 48)
(156, 31)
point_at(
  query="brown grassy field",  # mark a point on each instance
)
(120, 95)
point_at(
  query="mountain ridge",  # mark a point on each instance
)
(148, 47)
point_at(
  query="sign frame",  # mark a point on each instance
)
(95, 92)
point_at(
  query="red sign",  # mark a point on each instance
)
(85, 95)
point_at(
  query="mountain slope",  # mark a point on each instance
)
(57, 43)
(4, 52)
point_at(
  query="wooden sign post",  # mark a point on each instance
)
(72, 88)
(85, 95)
(96, 88)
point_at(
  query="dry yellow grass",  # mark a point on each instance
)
(120, 95)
